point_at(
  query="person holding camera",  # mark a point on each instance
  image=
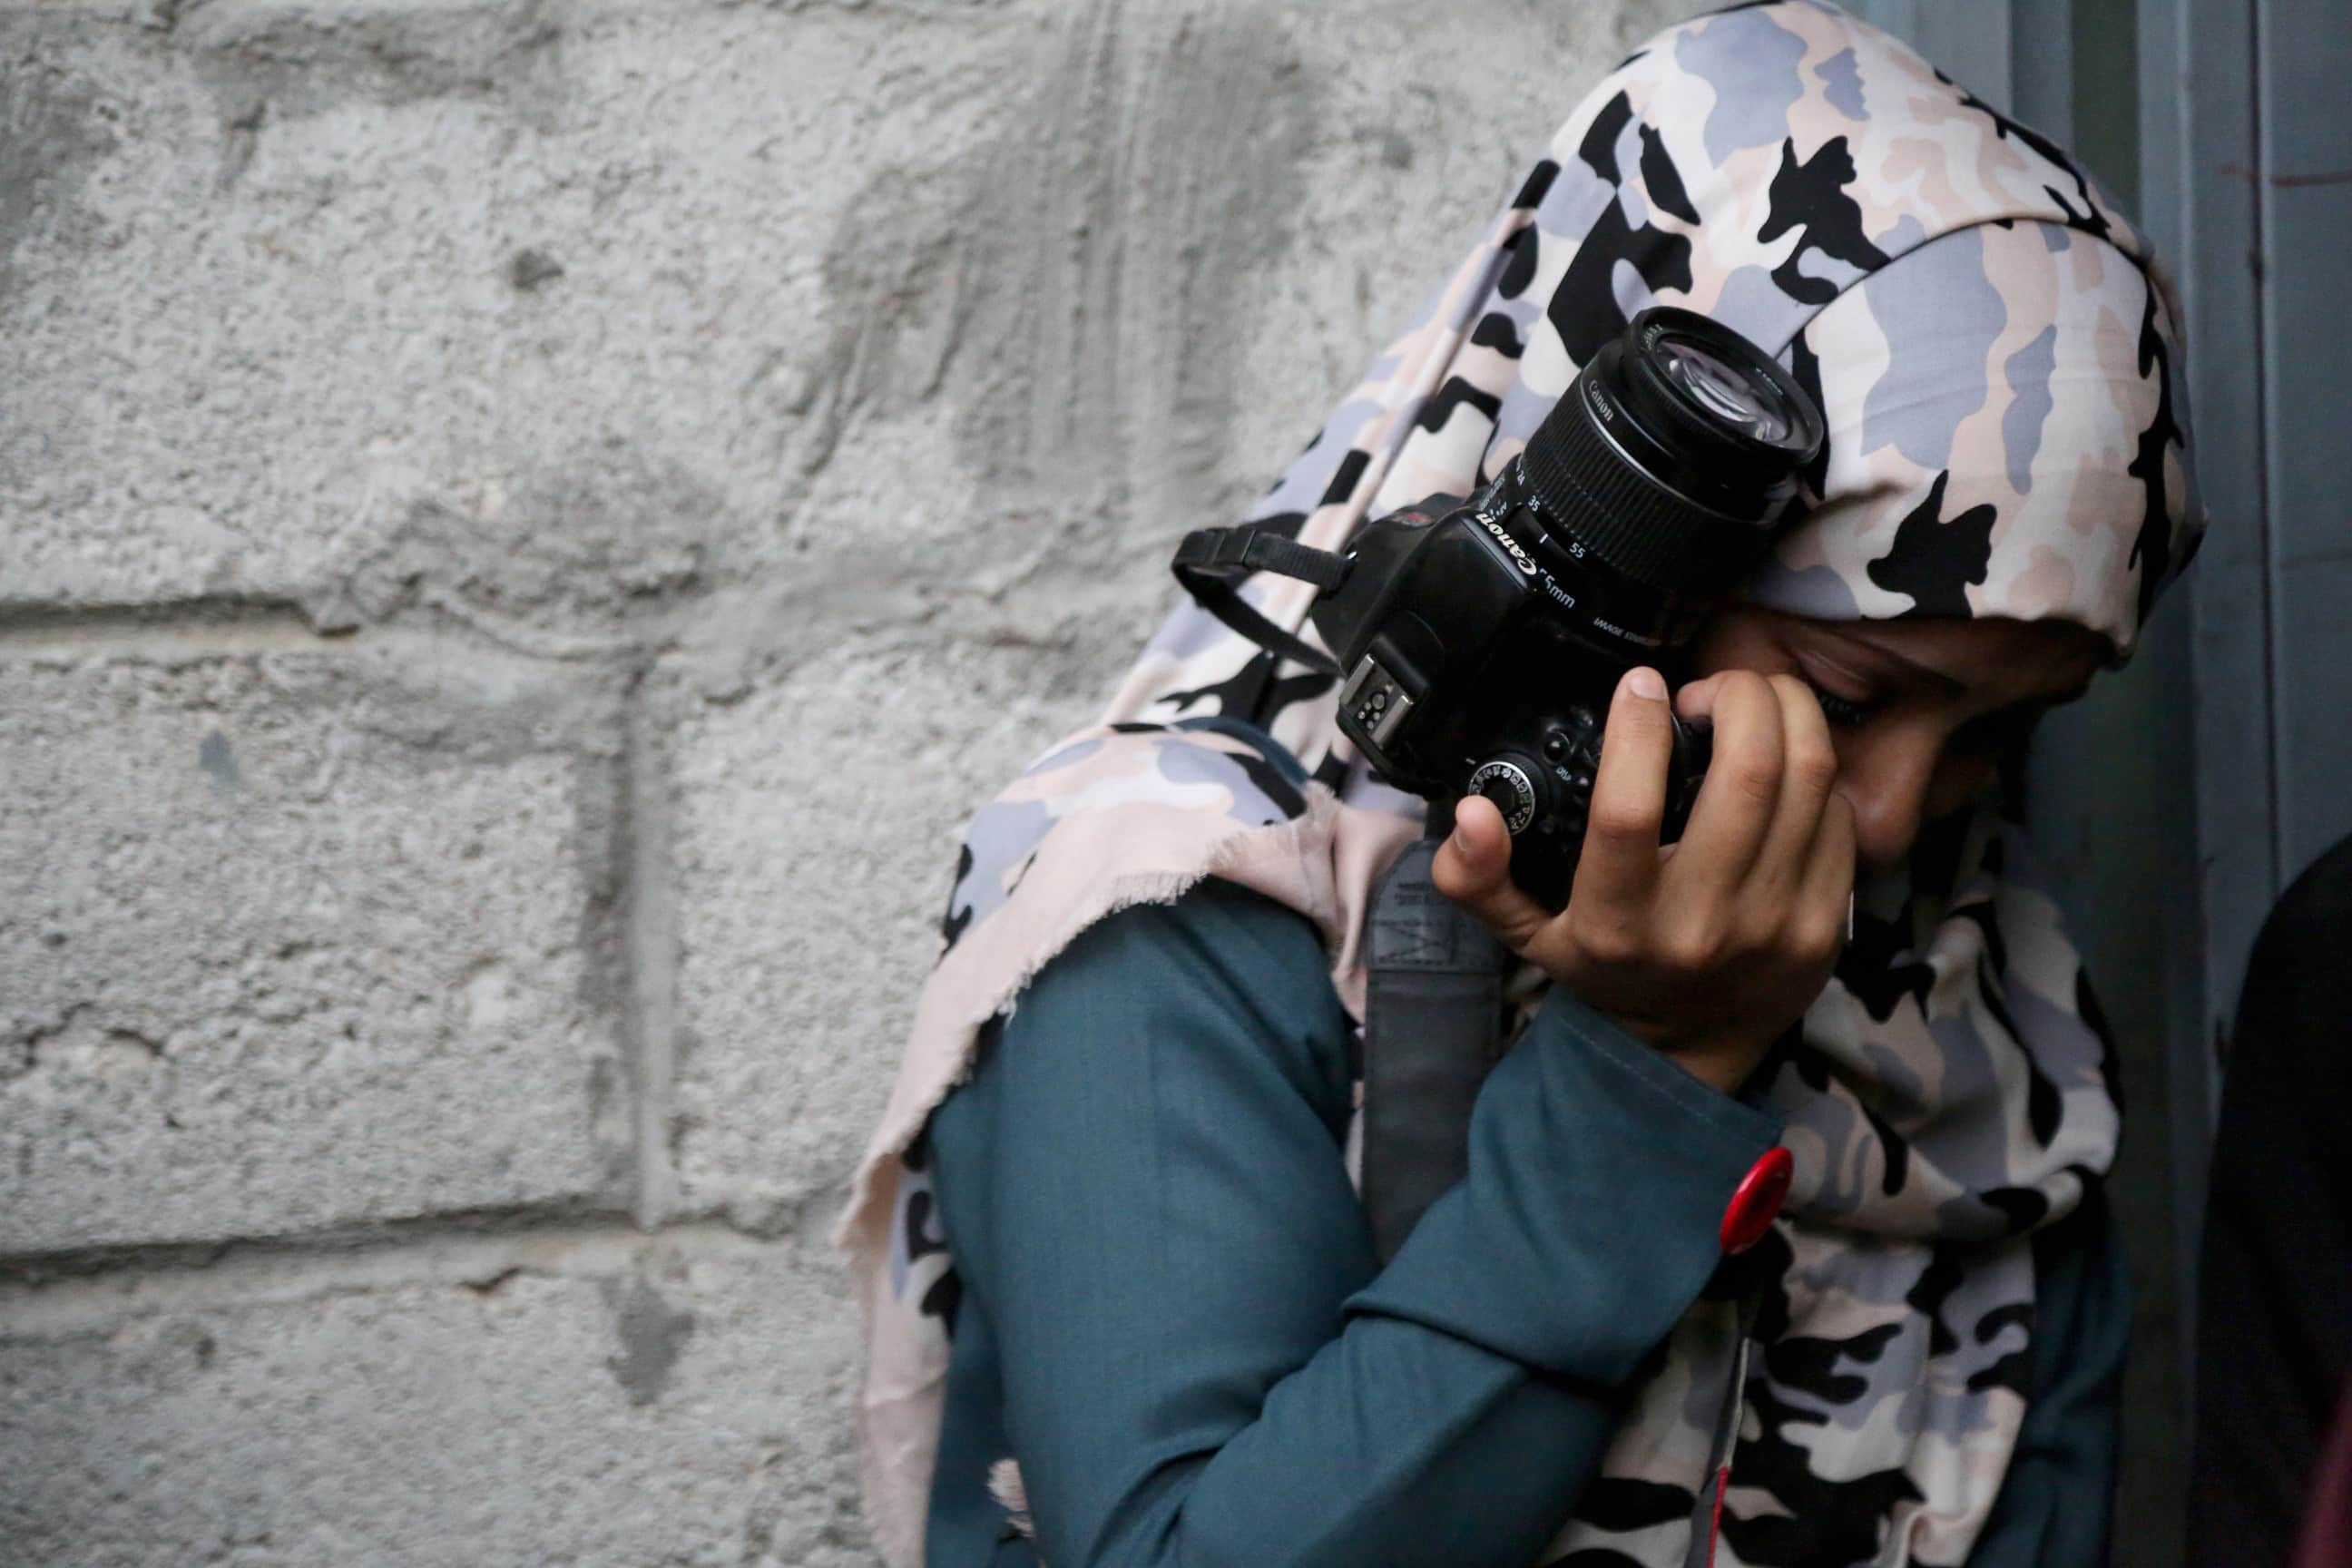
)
(1414, 1086)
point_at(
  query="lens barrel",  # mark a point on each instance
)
(1675, 453)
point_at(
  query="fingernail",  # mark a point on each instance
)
(1647, 682)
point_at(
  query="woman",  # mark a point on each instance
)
(1123, 1301)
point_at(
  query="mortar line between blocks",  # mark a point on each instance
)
(649, 936)
(176, 628)
(230, 627)
(236, 1276)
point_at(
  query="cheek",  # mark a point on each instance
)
(1887, 751)
(1896, 776)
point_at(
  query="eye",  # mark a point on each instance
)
(1844, 711)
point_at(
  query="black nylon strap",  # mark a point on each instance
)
(1212, 562)
(1433, 1028)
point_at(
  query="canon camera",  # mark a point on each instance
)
(1478, 638)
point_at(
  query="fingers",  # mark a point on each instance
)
(1473, 868)
(1825, 896)
(1618, 866)
(1808, 768)
(1696, 700)
(1741, 792)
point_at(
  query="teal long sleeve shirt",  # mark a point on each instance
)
(1172, 1317)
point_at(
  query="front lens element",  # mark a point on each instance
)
(1723, 392)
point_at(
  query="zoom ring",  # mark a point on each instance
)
(1657, 539)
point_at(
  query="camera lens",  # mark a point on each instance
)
(1723, 390)
(1674, 454)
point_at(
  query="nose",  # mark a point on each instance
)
(1884, 776)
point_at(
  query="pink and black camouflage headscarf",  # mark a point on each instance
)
(1998, 359)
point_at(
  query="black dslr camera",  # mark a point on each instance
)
(1480, 638)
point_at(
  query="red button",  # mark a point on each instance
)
(1757, 1201)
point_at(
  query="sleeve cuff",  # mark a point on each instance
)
(1645, 1073)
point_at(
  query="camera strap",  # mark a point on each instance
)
(1212, 564)
(1432, 1030)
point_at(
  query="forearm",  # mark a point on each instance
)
(1394, 1443)
(1200, 1364)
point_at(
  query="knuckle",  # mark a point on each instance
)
(1744, 689)
(1812, 764)
(1695, 946)
(1621, 820)
(1603, 939)
(1754, 778)
(1816, 941)
(1518, 935)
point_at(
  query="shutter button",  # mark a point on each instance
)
(1756, 1202)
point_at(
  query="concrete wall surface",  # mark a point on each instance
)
(523, 527)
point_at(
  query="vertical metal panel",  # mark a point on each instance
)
(1900, 17)
(2163, 151)
(2107, 806)
(2164, 166)
(1968, 40)
(2229, 590)
(2106, 59)
(2042, 68)
(2306, 199)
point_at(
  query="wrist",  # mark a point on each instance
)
(1722, 1059)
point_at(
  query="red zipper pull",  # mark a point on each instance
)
(1754, 1205)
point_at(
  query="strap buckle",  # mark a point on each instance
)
(1212, 564)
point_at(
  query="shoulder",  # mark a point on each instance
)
(2296, 992)
(2319, 900)
(1218, 969)
(2294, 953)
(1213, 1011)
(1220, 995)
(1123, 789)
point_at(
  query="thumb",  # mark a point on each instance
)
(1473, 868)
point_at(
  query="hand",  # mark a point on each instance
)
(1706, 949)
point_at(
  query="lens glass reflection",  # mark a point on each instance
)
(1754, 410)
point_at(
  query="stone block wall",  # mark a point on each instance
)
(523, 526)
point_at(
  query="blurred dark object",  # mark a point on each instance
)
(2275, 1319)
(2328, 1521)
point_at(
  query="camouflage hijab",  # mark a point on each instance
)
(1999, 364)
